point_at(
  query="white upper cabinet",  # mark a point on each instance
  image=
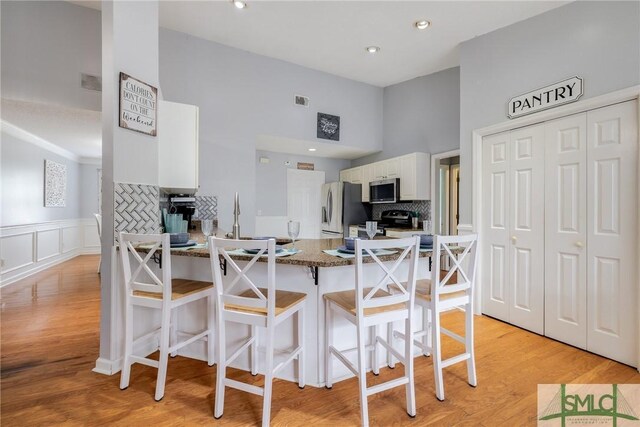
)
(413, 170)
(367, 177)
(178, 128)
(353, 175)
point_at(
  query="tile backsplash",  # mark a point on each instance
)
(423, 207)
(136, 209)
(206, 207)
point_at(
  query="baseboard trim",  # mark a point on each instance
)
(111, 367)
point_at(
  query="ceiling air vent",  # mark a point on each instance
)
(91, 82)
(303, 101)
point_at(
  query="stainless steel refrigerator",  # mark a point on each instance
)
(342, 206)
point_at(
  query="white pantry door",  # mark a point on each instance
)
(612, 224)
(495, 227)
(303, 201)
(526, 224)
(513, 229)
(566, 230)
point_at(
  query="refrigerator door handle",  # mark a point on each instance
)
(330, 205)
(324, 214)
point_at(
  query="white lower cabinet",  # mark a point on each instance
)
(560, 227)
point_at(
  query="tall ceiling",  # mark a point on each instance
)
(331, 36)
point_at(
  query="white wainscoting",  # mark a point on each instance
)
(27, 249)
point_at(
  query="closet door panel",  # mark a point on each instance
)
(612, 224)
(495, 241)
(526, 218)
(565, 230)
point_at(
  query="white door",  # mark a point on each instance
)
(443, 203)
(303, 201)
(612, 224)
(513, 230)
(566, 230)
(454, 199)
(495, 227)
(526, 225)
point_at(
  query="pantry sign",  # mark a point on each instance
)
(138, 102)
(551, 96)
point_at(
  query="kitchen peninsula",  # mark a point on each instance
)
(310, 271)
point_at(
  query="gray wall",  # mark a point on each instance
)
(89, 190)
(45, 47)
(271, 178)
(23, 184)
(422, 114)
(596, 40)
(242, 95)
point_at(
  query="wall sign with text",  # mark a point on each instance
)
(138, 105)
(328, 127)
(554, 95)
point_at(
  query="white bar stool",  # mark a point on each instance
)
(370, 308)
(255, 307)
(165, 294)
(438, 295)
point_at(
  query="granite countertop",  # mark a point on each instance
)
(311, 255)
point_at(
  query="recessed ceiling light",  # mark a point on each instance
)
(312, 149)
(373, 49)
(422, 24)
(239, 4)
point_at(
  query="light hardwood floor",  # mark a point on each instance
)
(49, 344)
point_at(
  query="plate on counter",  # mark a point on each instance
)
(279, 249)
(343, 250)
(184, 245)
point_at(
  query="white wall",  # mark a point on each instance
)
(422, 114)
(595, 40)
(242, 95)
(45, 47)
(271, 178)
(22, 177)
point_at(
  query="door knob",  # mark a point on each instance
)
(514, 239)
(579, 244)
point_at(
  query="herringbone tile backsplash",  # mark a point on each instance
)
(136, 209)
(206, 207)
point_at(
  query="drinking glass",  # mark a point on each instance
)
(372, 228)
(293, 228)
(426, 226)
(207, 229)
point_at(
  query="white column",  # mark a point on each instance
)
(129, 45)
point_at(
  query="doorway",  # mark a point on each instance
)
(303, 201)
(445, 185)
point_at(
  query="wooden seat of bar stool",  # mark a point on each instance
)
(258, 308)
(180, 288)
(369, 308)
(423, 290)
(284, 301)
(347, 301)
(144, 288)
(438, 295)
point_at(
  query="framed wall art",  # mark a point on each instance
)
(138, 105)
(55, 184)
(328, 127)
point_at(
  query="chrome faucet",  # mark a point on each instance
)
(236, 214)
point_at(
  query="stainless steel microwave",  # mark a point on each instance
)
(384, 191)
